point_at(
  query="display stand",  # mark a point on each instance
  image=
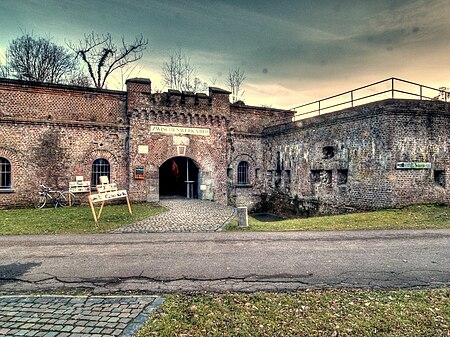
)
(79, 186)
(106, 192)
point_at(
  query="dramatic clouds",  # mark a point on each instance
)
(292, 51)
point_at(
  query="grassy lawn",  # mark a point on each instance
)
(412, 217)
(71, 219)
(310, 313)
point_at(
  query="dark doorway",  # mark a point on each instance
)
(178, 176)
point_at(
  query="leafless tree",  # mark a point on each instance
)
(37, 59)
(79, 78)
(198, 85)
(236, 77)
(103, 56)
(125, 73)
(213, 80)
(178, 72)
(5, 69)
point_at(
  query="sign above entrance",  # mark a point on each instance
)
(179, 130)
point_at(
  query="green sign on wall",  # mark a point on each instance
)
(413, 165)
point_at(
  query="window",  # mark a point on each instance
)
(328, 152)
(315, 176)
(287, 180)
(278, 163)
(100, 167)
(342, 177)
(439, 177)
(5, 173)
(242, 173)
(329, 177)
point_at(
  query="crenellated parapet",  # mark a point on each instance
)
(178, 117)
(176, 107)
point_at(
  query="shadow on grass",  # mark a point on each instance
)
(266, 217)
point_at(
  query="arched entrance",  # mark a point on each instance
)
(178, 176)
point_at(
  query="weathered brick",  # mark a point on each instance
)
(332, 163)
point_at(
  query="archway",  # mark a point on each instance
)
(178, 176)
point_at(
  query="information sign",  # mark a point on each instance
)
(413, 165)
(179, 130)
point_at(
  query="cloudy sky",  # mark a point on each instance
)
(293, 51)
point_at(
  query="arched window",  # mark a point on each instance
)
(5, 173)
(242, 173)
(100, 167)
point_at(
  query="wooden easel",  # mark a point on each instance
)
(106, 191)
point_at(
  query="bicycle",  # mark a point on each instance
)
(56, 198)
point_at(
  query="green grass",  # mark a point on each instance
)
(80, 220)
(412, 217)
(311, 313)
(71, 219)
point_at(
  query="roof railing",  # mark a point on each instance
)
(389, 88)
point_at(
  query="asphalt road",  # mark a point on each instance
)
(225, 261)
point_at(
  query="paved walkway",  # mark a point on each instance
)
(183, 215)
(79, 316)
(66, 316)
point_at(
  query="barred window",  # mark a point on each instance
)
(5, 173)
(100, 167)
(242, 173)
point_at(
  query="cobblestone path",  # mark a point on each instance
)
(183, 215)
(69, 316)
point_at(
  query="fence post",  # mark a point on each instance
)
(421, 92)
(319, 108)
(392, 87)
(351, 94)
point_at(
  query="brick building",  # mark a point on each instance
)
(201, 146)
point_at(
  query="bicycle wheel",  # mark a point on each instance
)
(61, 200)
(40, 202)
(69, 197)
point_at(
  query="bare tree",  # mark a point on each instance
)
(103, 56)
(79, 78)
(213, 80)
(178, 73)
(125, 73)
(198, 85)
(5, 69)
(37, 59)
(235, 79)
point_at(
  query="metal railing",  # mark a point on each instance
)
(388, 88)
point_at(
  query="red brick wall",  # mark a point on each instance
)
(40, 101)
(53, 154)
(245, 144)
(251, 119)
(179, 109)
(52, 133)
